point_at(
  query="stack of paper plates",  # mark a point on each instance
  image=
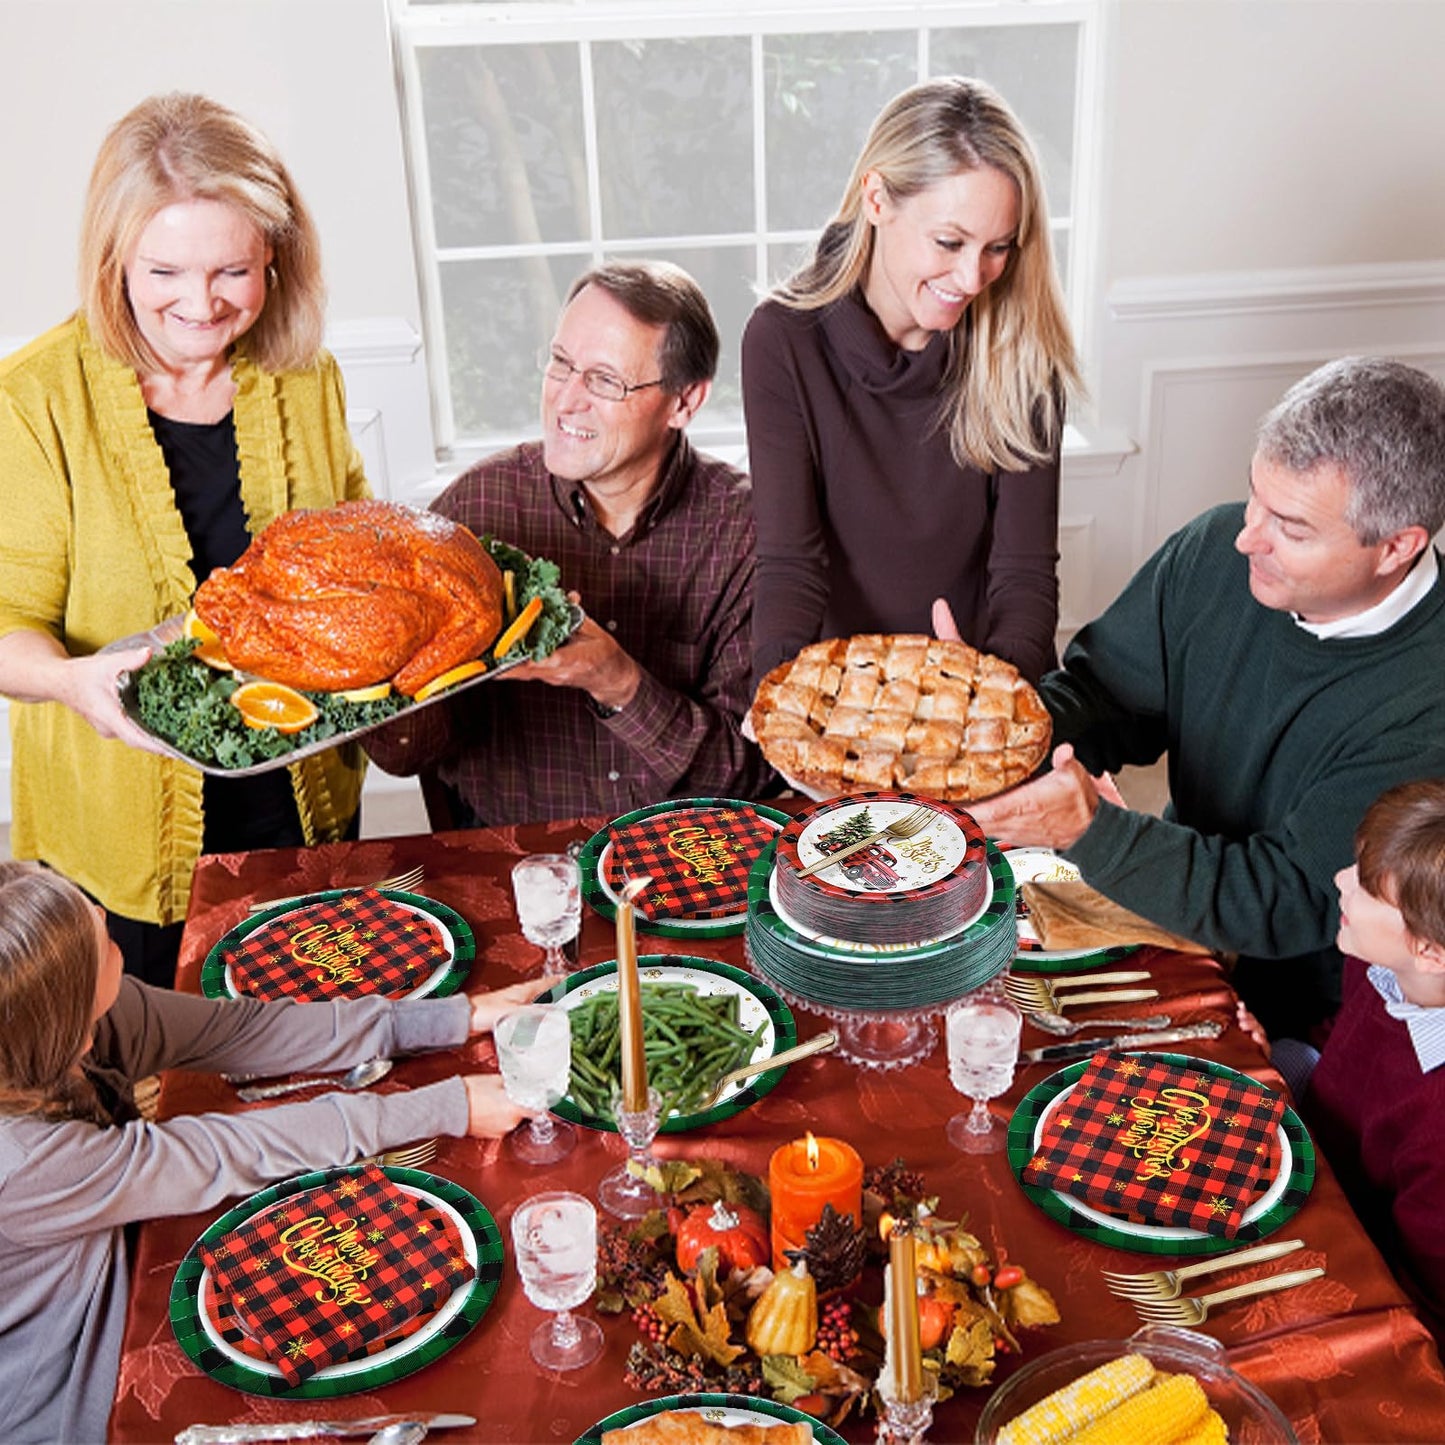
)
(848, 974)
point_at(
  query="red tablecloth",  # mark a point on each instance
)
(1344, 1357)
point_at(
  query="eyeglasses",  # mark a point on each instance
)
(600, 383)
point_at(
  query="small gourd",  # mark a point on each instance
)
(784, 1320)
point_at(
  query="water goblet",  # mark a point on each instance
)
(534, 1053)
(548, 891)
(983, 1046)
(554, 1237)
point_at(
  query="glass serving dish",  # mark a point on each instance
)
(1251, 1415)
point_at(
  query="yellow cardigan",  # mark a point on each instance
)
(93, 548)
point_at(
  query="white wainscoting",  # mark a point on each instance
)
(1189, 364)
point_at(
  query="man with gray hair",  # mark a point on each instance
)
(1287, 656)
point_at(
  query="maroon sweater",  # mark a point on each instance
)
(1381, 1123)
(863, 515)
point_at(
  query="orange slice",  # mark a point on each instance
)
(210, 650)
(274, 705)
(460, 673)
(521, 626)
(367, 694)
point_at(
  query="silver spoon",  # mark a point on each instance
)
(361, 1076)
(399, 1432)
(1064, 1028)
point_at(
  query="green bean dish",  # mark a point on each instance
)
(688, 1038)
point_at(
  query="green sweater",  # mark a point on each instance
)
(1277, 743)
(93, 548)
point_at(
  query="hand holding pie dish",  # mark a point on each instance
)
(885, 710)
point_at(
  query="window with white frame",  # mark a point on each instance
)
(545, 136)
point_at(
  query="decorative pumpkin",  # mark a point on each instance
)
(784, 1321)
(935, 1321)
(738, 1233)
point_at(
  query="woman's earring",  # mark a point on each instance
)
(272, 279)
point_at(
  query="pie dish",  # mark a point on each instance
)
(886, 710)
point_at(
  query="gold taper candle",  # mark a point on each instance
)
(629, 999)
(903, 1362)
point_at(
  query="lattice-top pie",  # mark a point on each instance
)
(900, 711)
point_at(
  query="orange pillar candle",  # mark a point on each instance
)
(902, 1361)
(804, 1176)
(629, 1000)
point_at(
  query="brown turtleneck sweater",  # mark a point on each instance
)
(864, 517)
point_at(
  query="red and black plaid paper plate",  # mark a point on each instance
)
(698, 858)
(1160, 1143)
(345, 945)
(334, 1268)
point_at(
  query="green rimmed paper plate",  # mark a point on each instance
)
(1294, 1175)
(719, 1409)
(1032, 865)
(200, 1337)
(757, 1005)
(599, 894)
(445, 979)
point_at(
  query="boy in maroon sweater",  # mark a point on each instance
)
(1376, 1100)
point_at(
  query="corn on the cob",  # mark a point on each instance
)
(1056, 1417)
(1169, 1407)
(1211, 1430)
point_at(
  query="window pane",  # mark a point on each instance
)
(725, 274)
(822, 93)
(499, 314)
(674, 136)
(504, 143)
(1034, 67)
(785, 257)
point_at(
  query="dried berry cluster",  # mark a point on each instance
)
(836, 1336)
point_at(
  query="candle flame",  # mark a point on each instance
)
(633, 889)
(885, 1225)
(812, 1151)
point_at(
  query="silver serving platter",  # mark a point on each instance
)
(166, 632)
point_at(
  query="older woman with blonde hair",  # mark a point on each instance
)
(78, 1163)
(905, 396)
(143, 442)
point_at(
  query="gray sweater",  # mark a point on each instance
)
(68, 1187)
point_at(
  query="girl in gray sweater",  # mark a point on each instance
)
(77, 1163)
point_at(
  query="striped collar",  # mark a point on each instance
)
(1426, 1026)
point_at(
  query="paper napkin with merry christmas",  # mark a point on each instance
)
(1160, 1143)
(359, 943)
(330, 1269)
(698, 859)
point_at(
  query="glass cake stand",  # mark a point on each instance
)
(875, 1038)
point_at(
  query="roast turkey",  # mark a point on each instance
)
(354, 595)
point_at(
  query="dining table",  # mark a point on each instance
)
(1345, 1357)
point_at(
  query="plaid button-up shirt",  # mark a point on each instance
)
(676, 592)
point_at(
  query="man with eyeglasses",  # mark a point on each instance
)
(655, 539)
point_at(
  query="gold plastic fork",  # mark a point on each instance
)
(1194, 1309)
(1039, 995)
(904, 827)
(412, 1156)
(401, 883)
(1167, 1284)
